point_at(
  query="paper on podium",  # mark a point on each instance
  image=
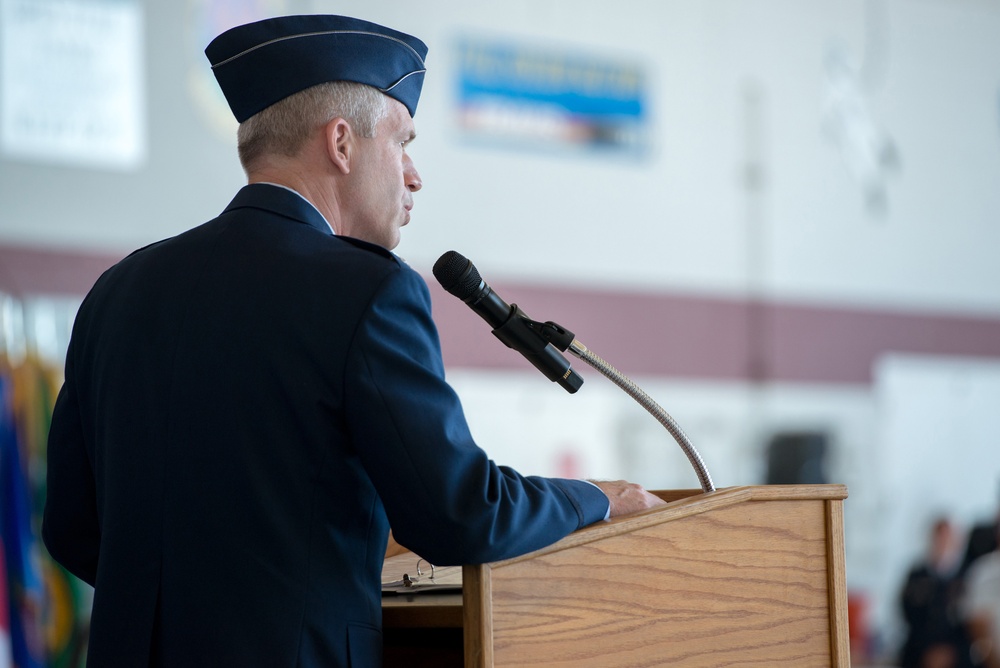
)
(409, 574)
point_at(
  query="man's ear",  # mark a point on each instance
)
(340, 144)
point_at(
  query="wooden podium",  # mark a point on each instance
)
(744, 576)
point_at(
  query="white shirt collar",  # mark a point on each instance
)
(292, 190)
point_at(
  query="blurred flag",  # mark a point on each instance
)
(6, 658)
(20, 549)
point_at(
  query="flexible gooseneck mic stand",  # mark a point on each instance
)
(564, 340)
(540, 342)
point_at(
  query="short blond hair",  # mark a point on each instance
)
(283, 127)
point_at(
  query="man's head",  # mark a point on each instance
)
(325, 105)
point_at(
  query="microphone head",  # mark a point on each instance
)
(458, 275)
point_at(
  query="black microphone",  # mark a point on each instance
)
(510, 324)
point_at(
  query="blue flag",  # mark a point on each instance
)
(25, 594)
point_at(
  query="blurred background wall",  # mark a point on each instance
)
(781, 218)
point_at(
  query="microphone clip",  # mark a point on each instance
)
(553, 333)
(538, 343)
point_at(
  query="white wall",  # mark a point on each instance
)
(929, 73)
(681, 219)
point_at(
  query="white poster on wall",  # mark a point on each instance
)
(71, 82)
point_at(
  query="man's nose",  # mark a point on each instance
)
(411, 177)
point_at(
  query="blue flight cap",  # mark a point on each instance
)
(260, 63)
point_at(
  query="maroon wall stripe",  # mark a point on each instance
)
(658, 334)
(27, 272)
(699, 337)
(840, 345)
(640, 333)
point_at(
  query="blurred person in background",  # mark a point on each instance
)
(982, 540)
(981, 607)
(930, 599)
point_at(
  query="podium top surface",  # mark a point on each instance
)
(686, 503)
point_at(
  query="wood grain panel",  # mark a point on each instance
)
(840, 642)
(744, 585)
(477, 603)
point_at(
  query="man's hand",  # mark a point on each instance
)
(627, 497)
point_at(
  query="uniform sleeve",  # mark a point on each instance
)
(444, 497)
(70, 527)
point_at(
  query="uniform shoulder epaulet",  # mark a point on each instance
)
(374, 248)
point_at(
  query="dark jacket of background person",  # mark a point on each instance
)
(930, 602)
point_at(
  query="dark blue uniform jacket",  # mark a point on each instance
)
(247, 408)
